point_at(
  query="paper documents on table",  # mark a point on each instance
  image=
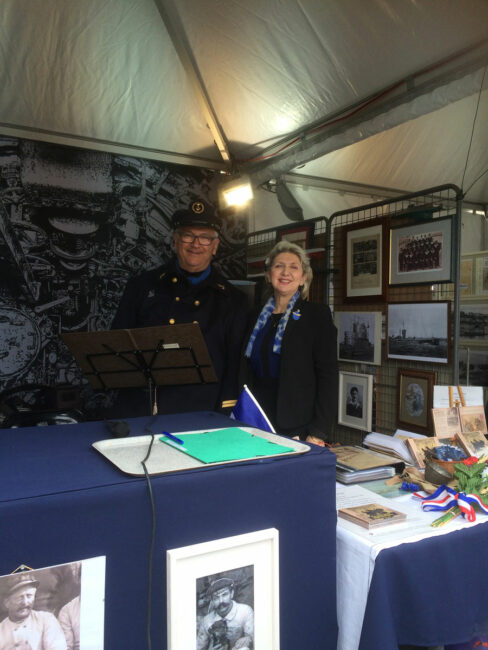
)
(356, 464)
(394, 445)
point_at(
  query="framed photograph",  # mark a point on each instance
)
(472, 419)
(473, 443)
(355, 400)
(419, 331)
(420, 447)
(466, 286)
(421, 253)
(300, 235)
(365, 261)
(359, 336)
(481, 274)
(473, 366)
(473, 321)
(415, 392)
(224, 593)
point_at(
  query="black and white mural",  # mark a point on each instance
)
(74, 226)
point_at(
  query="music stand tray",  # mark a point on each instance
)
(166, 355)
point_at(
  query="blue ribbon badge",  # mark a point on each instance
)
(296, 315)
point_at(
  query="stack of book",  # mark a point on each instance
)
(372, 515)
(357, 464)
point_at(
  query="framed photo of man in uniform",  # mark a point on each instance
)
(224, 593)
(421, 253)
(355, 400)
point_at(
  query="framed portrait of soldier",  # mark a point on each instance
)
(355, 400)
(224, 593)
(421, 253)
(365, 260)
(415, 392)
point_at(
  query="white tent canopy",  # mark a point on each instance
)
(380, 93)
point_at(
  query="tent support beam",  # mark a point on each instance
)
(458, 79)
(176, 32)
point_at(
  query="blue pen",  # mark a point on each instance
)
(173, 438)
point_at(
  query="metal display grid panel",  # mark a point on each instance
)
(410, 209)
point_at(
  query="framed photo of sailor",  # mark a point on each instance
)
(415, 392)
(419, 331)
(365, 261)
(355, 400)
(224, 593)
(421, 253)
(359, 336)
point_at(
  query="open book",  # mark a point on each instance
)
(394, 445)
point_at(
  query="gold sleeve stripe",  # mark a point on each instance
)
(229, 403)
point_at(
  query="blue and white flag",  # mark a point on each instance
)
(248, 411)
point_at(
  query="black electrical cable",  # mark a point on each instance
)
(153, 531)
(476, 180)
(472, 134)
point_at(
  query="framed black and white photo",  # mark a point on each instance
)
(359, 336)
(473, 366)
(473, 322)
(419, 331)
(415, 392)
(300, 235)
(365, 261)
(421, 253)
(224, 593)
(54, 607)
(355, 400)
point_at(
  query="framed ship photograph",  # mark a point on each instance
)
(233, 578)
(355, 400)
(359, 336)
(419, 331)
(421, 253)
(365, 261)
(473, 322)
(415, 392)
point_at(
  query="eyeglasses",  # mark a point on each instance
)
(189, 238)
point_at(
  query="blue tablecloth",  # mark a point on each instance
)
(61, 501)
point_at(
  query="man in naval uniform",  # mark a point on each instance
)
(189, 290)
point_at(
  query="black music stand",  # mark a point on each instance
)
(144, 357)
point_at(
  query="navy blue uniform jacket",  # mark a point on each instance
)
(164, 296)
(308, 381)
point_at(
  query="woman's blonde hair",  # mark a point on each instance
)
(289, 247)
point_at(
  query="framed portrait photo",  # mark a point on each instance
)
(415, 391)
(421, 253)
(355, 400)
(473, 322)
(359, 336)
(224, 593)
(365, 261)
(300, 235)
(419, 331)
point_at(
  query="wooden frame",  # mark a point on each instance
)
(419, 331)
(415, 392)
(192, 570)
(365, 261)
(421, 253)
(355, 400)
(300, 235)
(359, 336)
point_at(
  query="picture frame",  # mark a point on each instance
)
(473, 322)
(243, 569)
(300, 235)
(415, 393)
(474, 276)
(355, 400)
(359, 336)
(420, 447)
(422, 253)
(365, 260)
(473, 366)
(419, 331)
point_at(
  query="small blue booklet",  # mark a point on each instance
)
(225, 444)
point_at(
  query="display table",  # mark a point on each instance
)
(409, 583)
(61, 501)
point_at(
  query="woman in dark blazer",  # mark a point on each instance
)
(291, 355)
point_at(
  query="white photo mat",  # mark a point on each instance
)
(364, 261)
(359, 336)
(364, 386)
(186, 564)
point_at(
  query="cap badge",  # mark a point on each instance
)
(197, 207)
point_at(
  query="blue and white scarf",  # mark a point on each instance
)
(263, 317)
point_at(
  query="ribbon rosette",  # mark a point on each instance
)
(445, 498)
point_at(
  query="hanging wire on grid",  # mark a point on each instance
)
(153, 530)
(472, 132)
(476, 180)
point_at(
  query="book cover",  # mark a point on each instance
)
(356, 458)
(372, 515)
(472, 418)
(446, 421)
(418, 448)
(473, 443)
